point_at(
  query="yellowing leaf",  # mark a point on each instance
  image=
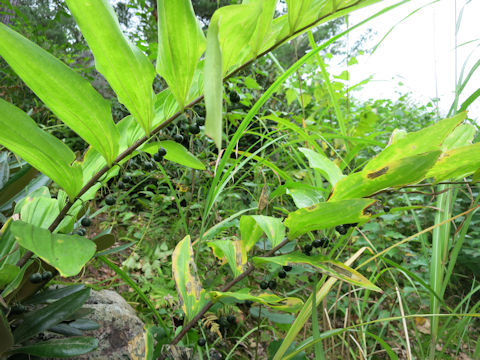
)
(230, 252)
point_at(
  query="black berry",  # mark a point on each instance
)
(272, 284)
(35, 278)
(121, 185)
(110, 200)
(47, 275)
(249, 303)
(200, 121)
(341, 229)
(307, 248)
(86, 222)
(178, 138)
(162, 151)
(234, 97)
(127, 179)
(231, 319)
(201, 342)
(287, 268)
(324, 242)
(386, 209)
(183, 203)
(157, 157)
(80, 231)
(264, 285)
(223, 321)
(194, 129)
(350, 225)
(282, 274)
(316, 243)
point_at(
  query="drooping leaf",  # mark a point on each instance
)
(60, 348)
(231, 252)
(176, 153)
(213, 84)
(21, 135)
(44, 318)
(273, 228)
(179, 47)
(128, 71)
(325, 265)
(67, 253)
(250, 232)
(63, 90)
(327, 168)
(408, 170)
(287, 304)
(326, 215)
(191, 294)
(456, 163)
(423, 141)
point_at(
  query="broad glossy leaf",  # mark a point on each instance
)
(423, 141)
(305, 197)
(230, 252)
(191, 294)
(67, 253)
(250, 232)
(408, 170)
(63, 90)
(127, 70)
(273, 228)
(60, 348)
(176, 153)
(44, 318)
(213, 84)
(21, 135)
(303, 12)
(325, 265)
(456, 163)
(180, 44)
(327, 168)
(287, 304)
(5, 334)
(326, 215)
(39, 211)
(462, 135)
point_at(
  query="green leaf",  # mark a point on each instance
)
(42, 319)
(39, 211)
(327, 266)
(191, 294)
(179, 46)
(423, 141)
(327, 168)
(21, 135)
(231, 252)
(213, 84)
(67, 253)
(273, 228)
(305, 197)
(303, 12)
(60, 348)
(5, 334)
(457, 163)
(127, 70)
(399, 172)
(250, 232)
(462, 135)
(13, 285)
(326, 215)
(8, 273)
(176, 153)
(63, 90)
(287, 304)
(51, 295)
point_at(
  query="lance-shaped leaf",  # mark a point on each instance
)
(176, 153)
(250, 232)
(400, 172)
(127, 70)
(325, 265)
(64, 91)
(67, 253)
(327, 168)
(60, 348)
(287, 304)
(415, 143)
(180, 44)
(213, 84)
(456, 163)
(191, 294)
(231, 252)
(326, 215)
(273, 228)
(21, 135)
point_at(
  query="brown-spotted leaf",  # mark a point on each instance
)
(191, 294)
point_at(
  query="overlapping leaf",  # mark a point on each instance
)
(21, 135)
(456, 163)
(230, 252)
(328, 168)
(250, 232)
(127, 70)
(191, 294)
(176, 153)
(179, 47)
(64, 91)
(273, 228)
(327, 266)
